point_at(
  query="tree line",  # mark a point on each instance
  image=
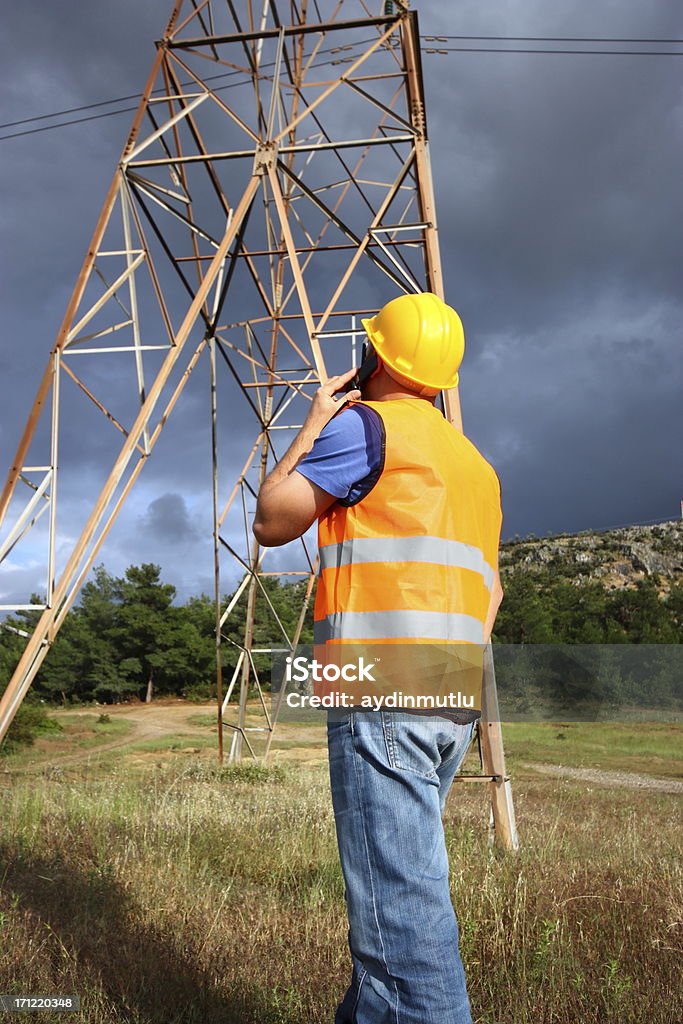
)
(128, 639)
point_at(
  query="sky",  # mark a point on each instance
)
(560, 211)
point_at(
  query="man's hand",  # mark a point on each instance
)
(288, 504)
(324, 406)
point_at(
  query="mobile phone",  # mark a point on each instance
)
(367, 368)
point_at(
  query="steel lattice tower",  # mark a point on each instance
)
(274, 187)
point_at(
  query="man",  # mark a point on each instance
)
(408, 529)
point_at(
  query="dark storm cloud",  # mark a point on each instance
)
(558, 175)
(559, 203)
(560, 218)
(168, 519)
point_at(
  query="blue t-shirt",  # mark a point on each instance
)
(347, 457)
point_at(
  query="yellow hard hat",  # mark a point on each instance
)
(420, 340)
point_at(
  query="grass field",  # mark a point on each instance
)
(162, 888)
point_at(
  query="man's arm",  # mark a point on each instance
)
(288, 504)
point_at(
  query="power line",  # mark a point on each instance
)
(582, 53)
(137, 96)
(91, 106)
(553, 39)
(64, 124)
(427, 50)
(73, 110)
(544, 39)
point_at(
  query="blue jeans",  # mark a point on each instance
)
(390, 773)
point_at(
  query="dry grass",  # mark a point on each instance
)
(193, 894)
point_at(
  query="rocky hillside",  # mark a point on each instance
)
(616, 558)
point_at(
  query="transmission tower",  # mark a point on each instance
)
(275, 187)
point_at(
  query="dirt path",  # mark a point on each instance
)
(628, 780)
(148, 722)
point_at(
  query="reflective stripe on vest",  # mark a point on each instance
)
(436, 550)
(402, 624)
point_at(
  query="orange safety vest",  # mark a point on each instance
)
(414, 560)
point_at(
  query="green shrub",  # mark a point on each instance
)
(31, 720)
(200, 692)
(250, 772)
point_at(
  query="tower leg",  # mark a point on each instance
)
(493, 760)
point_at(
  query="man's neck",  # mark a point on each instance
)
(392, 395)
(384, 388)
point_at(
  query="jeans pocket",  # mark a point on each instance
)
(459, 746)
(411, 742)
